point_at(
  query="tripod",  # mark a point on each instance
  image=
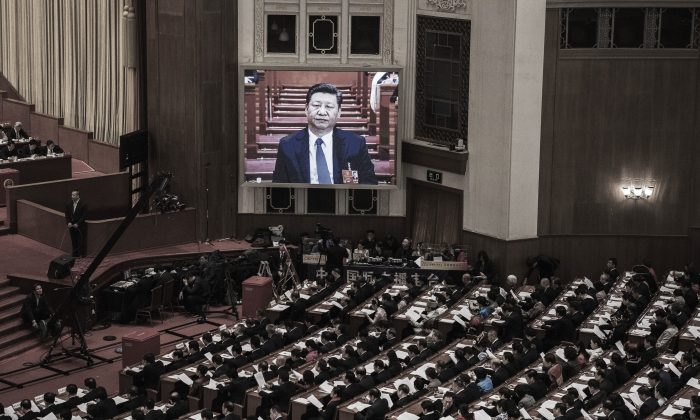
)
(287, 273)
(77, 332)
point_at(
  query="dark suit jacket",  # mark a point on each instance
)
(77, 216)
(292, 165)
(374, 412)
(283, 392)
(5, 153)
(328, 413)
(180, 408)
(22, 134)
(648, 407)
(154, 415)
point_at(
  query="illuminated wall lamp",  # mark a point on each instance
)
(635, 193)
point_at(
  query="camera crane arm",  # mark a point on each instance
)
(159, 183)
(80, 292)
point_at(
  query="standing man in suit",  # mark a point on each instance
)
(75, 217)
(320, 153)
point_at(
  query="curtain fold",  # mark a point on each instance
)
(64, 56)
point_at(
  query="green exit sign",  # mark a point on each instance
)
(435, 176)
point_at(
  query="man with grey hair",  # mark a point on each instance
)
(511, 282)
(18, 132)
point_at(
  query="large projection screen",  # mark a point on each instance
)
(295, 133)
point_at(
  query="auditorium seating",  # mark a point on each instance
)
(507, 364)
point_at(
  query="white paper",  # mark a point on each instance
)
(259, 379)
(674, 369)
(407, 416)
(212, 384)
(670, 411)
(524, 414)
(482, 415)
(620, 347)
(694, 383)
(597, 331)
(466, 313)
(684, 402)
(635, 399)
(459, 320)
(387, 398)
(549, 404)
(186, 379)
(545, 413)
(359, 406)
(118, 400)
(209, 356)
(246, 347)
(313, 400)
(82, 407)
(326, 387)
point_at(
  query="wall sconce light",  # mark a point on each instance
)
(637, 192)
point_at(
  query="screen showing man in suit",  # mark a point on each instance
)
(338, 132)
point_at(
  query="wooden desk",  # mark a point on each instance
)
(127, 379)
(41, 169)
(446, 322)
(307, 291)
(690, 332)
(604, 311)
(299, 405)
(494, 395)
(551, 312)
(662, 299)
(641, 378)
(420, 305)
(208, 395)
(358, 318)
(415, 406)
(579, 381)
(676, 404)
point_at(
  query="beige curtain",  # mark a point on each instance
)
(64, 56)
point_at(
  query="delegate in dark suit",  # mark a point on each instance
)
(292, 165)
(75, 217)
(376, 411)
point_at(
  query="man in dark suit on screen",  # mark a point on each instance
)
(320, 153)
(75, 217)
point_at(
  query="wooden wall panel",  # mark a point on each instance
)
(74, 141)
(584, 255)
(44, 127)
(351, 227)
(103, 157)
(192, 105)
(14, 110)
(55, 195)
(610, 119)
